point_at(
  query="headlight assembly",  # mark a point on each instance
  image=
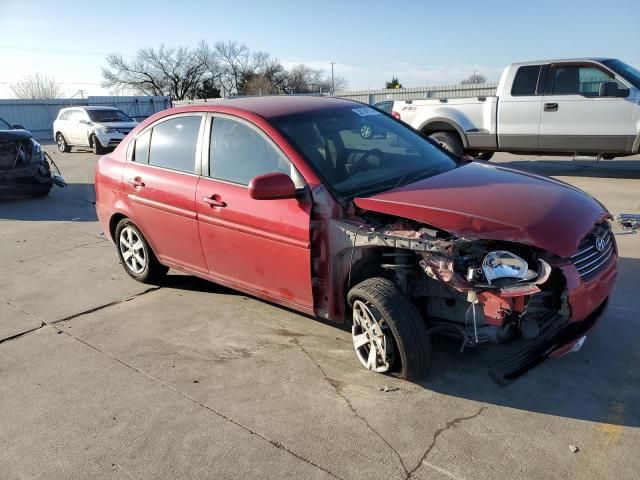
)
(503, 264)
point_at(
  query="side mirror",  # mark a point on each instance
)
(17, 126)
(611, 89)
(271, 186)
(84, 121)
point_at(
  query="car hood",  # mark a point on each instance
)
(123, 125)
(496, 203)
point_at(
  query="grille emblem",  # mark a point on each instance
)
(599, 243)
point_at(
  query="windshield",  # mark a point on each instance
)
(360, 151)
(4, 125)
(101, 116)
(627, 72)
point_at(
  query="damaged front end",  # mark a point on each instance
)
(479, 291)
(25, 169)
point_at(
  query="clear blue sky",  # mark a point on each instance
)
(422, 42)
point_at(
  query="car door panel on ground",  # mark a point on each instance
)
(259, 245)
(572, 111)
(161, 181)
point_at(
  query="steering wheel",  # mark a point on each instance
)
(362, 161)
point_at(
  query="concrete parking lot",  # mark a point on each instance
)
(103, 377)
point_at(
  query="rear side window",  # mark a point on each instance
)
(173, 143)
(141, 153)
(63, 115)
(525, 81)
(238, 153)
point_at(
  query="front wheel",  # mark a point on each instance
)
(63, 146)
(136, 255)
(389, 335)
(97, 147)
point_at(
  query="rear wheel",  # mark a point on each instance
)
(449, 141)
(389, 335)
(63, 146)
(136, 255)
(484, 156)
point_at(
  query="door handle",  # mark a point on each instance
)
(214, 201)
(550, 107)
(136, 182)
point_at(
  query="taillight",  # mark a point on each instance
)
(395, 115)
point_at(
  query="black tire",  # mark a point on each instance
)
(449, 141)
(153, 271)
(411, 342)
(96, 146)
(63, 146)
(484, 156)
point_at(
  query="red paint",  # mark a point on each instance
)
(271, 186)
(273, 248)
(496, 203)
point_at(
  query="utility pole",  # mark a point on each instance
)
(333, 86)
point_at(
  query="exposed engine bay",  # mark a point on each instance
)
(477, 290)
(25, 169)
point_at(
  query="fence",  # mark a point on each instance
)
(375, 96)
(37, 116)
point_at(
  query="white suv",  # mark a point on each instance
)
(97, 127)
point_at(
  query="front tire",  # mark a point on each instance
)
(449, 141)
(136, 256)
(63, 146)
(96, 146)
(389, 335)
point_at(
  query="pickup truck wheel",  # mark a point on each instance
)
(389, 335)
(136, 255)
(449, 141)
(485, 156)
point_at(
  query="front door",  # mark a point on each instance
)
(160, 179)
(261, 246)
(574, 118)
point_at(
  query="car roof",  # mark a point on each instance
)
(562, 60)
(89, 107)
(275, 106)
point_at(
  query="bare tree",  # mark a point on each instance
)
(178, 72)
(474, 79)
(36, 86)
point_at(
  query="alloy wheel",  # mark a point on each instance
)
(132, 250)
(371, 339)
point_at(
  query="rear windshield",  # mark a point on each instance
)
(359, 151)
(108, 116)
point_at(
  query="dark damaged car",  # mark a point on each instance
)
(288, 200)
(25, 169)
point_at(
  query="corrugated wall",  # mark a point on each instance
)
(37, 116)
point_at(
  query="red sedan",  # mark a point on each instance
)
(286, 199)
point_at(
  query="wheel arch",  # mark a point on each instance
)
(442, 124)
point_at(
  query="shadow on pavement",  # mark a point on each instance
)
(578, 168)
(75, 202)
(600, 383)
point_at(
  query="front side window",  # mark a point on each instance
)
(526, 81)
(357, 150)
(579, 80)
(173, 143)
(238, 152)
(108, 115)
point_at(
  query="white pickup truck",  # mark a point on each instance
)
(588, 106)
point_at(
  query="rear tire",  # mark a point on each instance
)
(483, 156)
(406, 343)
(136, 256)
(449, 141)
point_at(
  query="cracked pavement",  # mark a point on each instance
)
(102, 377)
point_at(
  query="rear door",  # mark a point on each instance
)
(259, 245)
(575, 119)
(161, 179)
(519, 110)
(73, 127)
